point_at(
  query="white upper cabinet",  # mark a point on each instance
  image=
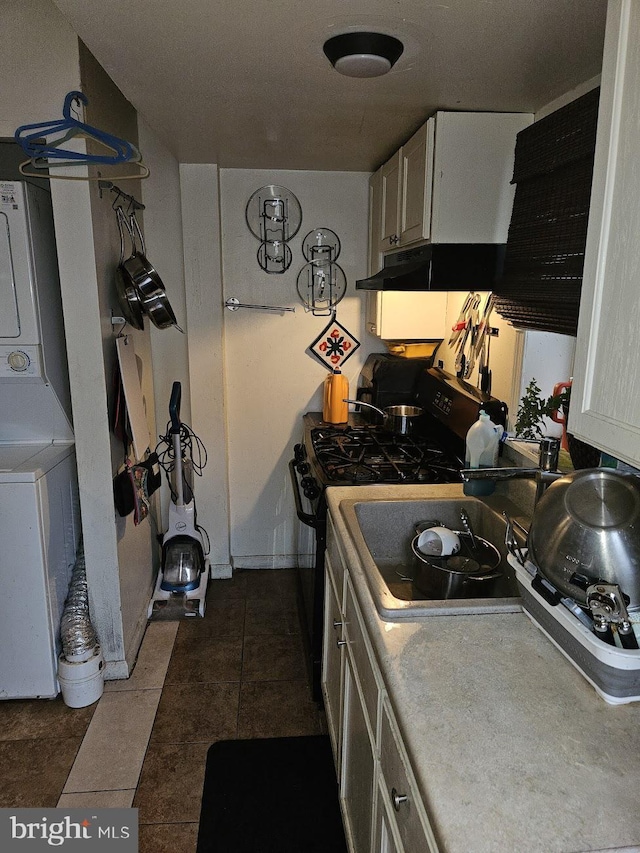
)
(375, 222)
(391, 187)
(450, 183)
(417, 176)
(605, 398)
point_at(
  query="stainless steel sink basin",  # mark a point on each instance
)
(382, 531)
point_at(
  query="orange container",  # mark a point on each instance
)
(336, 390)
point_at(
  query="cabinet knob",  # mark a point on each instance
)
(398, 799)
(341, 643)
(336, 624)
(394, 239)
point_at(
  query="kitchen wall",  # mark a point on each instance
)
(162, 218)
(270, 380)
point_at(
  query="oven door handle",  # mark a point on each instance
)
(305, 517)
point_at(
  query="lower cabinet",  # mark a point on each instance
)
(383, 835)
(332, 666)
(381, 806)
(400, 791)
(358, 766)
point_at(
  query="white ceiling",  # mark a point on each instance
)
(246, 84)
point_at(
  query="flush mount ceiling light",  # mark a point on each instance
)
(363, 54)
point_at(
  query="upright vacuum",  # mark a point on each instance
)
(182, 580)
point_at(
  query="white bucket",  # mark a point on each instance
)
(82, 682)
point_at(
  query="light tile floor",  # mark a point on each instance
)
(239, 672)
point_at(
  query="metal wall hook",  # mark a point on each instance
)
(133, 203)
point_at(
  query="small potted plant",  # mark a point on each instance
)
(534, 409)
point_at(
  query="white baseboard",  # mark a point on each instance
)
(266, 561)
(218, 571)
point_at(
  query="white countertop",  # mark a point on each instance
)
(512, 748)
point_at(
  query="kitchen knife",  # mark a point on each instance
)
(461, 323)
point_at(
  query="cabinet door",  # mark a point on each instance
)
(358, 766)
(391, 177)
(375, 222)
(402, 796)
(472, 170)
(361, 656)
(605, 404)
(383, 834)
(332, 656)
(417, 179)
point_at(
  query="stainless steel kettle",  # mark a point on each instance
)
(587, 527)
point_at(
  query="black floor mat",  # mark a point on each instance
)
(274, 795)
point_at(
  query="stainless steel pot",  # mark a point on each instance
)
(138, 273)
(470, 574)
(127, 293)
(587, 527)
(398, 419)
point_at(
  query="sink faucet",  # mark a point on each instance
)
(545, 474)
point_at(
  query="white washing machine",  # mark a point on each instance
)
(39, 508)
(38, 539)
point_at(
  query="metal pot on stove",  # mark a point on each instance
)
(586, 527)
(400, 420)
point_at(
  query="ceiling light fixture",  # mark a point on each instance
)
(363, 54)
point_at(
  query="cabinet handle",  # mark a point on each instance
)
(398, 799)
(341, 643)
(336, 624)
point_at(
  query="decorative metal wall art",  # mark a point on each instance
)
(274, 216)
(321, 282)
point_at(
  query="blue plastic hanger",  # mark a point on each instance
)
(29, 137)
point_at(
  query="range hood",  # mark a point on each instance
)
(439, 266)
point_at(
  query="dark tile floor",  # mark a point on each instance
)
(237, 673)
(39, 739)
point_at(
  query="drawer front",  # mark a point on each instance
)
(362, 658)
(400, 790)
(335, 557)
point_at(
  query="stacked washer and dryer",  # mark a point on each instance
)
(39, 508)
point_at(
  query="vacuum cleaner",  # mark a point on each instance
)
(182, 580)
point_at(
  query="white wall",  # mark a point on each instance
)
(163, 238)
(39, 63)
(271, 381)
(205, 322)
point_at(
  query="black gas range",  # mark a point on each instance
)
(361, 452)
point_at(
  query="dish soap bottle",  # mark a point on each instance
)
(336, 390)
(482, 445)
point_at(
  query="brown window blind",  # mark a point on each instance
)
(542, 278)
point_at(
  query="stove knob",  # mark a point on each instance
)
(310, 488)
(299, 452)
(303, 467)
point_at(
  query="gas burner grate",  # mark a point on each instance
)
(368, 454)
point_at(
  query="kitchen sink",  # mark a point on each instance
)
(382, 531)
